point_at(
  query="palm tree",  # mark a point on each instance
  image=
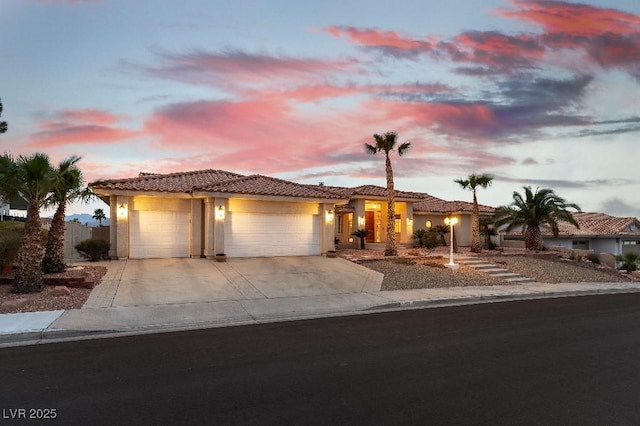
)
(387, 144)
(472, 183)
(32, 178)
(67, 188)
(535, 209)
(98, 214)
(3, 124)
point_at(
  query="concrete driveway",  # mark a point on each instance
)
(179, 281)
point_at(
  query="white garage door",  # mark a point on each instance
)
(268, 235)
(158, 234)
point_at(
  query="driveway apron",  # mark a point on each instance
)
(178, 281)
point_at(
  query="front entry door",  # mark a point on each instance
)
(370, 225)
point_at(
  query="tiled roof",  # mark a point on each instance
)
(598, 224)
(431, 204)
(173, 182)
(265, 185)
(370, 191)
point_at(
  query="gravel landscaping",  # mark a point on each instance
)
(421, 268)
(46, 300)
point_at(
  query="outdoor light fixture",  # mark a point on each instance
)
(220, 212)
(329, 216)
(122, 210)
(429, 224)
(361, 221)
(451, 222)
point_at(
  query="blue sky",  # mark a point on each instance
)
(540, 93)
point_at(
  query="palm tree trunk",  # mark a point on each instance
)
(476, 247)
(28, 278)
(390, 249)
(54, 251)
(533, 238)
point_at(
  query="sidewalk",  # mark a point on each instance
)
(42, 327)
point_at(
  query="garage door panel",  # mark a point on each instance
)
(253, 234)
(158, 234)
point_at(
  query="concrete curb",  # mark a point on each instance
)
(66, 335)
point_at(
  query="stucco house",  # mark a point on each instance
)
(202, 213)
(205, 212)
(599, 232)
(431, 211)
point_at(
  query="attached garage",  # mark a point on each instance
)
(268, 235)
(158, 234)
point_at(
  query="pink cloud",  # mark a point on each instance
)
(245, 68)
(377, 38)
(85, 126)
(573, 18)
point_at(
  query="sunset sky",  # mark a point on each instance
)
(540, 93)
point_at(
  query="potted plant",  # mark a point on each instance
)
(332, 253)
(221, 257)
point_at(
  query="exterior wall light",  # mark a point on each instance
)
(329, 216)
(451, 221)
(220, 212)
(122, 210)
(361, 221)
(429, 224)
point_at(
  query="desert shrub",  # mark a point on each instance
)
(419, 234)
(593, 257)
(10, 240)
(93, 248)
(431, 239)
(629, 261)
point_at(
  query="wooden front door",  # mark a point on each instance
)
(370, 225)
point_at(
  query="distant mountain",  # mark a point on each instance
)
(86, 218)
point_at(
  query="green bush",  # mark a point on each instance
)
(593, 257)
(93, 248)
(10, 240)
(419, 234)
(629, 261)
(431, 239)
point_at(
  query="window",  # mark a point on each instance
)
(630, 243)
(398, 224)
(340, 221)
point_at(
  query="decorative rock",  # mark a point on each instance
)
(60, 291)
(15, 303)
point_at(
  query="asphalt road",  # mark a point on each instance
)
(553, 361)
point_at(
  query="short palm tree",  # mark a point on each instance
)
(533, 210)
(362, 234)
(629, 261)
(32, 178)
(98, 214)
(473, 183)
(67, 188)
(387, 143)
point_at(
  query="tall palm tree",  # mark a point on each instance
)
(473, 183)
(386, 144)
(533, 210)
(98, 214)
(32, 178)
(67, 188)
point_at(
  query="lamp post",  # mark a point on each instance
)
(451, 221)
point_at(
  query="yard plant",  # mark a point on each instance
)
(94, 249)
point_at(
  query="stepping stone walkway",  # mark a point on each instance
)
(494, 270)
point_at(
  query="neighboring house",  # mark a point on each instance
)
(431, 211)
(205, 212)
(4, 208)
(599, 232)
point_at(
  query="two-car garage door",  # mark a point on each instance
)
(267, 235)
(165, 234)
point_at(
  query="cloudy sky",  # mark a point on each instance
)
(540, 93)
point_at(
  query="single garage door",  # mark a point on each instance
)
(268, 235)
(158, 234)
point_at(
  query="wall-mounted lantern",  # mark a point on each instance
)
(428, 224)
(361, 221)
(122, 210)
(329, 216)
(220, 212)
